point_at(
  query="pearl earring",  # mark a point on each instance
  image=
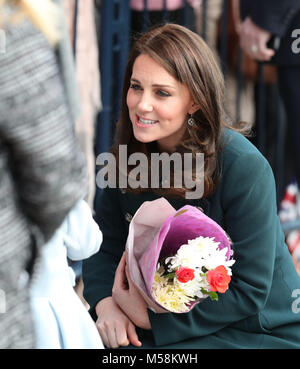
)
(191, 121)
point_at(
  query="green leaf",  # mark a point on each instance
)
(213, 296)
(204, 292)
(170, 275)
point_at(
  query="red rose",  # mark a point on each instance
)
(185, 274)
(218, 279)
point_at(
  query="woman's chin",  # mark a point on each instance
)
(143, 138)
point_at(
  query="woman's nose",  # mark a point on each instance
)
(145, 104)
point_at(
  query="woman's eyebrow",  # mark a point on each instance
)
(135, 80)
(162, 85)
(154, 85)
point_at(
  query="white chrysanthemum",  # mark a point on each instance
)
(200, 252)
(194, 286)
(171, 296)
(186, 256)
(204, 243)
(216, 257)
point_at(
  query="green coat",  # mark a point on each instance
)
(259, 310)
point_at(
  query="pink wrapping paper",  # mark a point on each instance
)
(158, 230)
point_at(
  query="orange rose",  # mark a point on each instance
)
(185, 274)
(218, 279)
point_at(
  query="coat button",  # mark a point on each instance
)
(128, 217)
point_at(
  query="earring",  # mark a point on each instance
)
(191, 121)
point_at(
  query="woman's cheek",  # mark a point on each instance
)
(129, 99)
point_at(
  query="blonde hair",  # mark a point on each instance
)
(45, 15)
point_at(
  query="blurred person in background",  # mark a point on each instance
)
(43, 173)
(174, 12)
(268, 33)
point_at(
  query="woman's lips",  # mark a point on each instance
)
(144, 123)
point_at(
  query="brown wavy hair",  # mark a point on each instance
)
(186, 56)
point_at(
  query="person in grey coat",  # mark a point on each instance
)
(42, 172)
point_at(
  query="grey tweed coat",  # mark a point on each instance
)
(42, 172)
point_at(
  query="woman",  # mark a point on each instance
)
(173, 102)
(41, 168)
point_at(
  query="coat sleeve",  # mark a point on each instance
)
(250, 216)
(47, 167)
(272, 15)
(98, 271)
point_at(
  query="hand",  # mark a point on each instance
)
(114, 326)
(128, 298)
(253, 41)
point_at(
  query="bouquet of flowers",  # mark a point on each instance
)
(198, 269)
(177, 258)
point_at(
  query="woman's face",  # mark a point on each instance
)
(158, 104)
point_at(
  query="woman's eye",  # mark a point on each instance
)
(135, 87)
(163, 93)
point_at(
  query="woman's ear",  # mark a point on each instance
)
(194, 107)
